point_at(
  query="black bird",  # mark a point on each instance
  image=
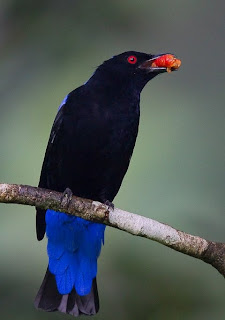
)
(89, 150)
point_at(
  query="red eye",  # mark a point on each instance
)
(132, 59)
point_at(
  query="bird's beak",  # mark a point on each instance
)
(161, 63)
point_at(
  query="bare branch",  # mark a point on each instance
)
(208, 251)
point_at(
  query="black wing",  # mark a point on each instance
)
(44, 183)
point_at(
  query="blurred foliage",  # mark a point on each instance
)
(47, 48)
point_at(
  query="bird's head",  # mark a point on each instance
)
(136, 67)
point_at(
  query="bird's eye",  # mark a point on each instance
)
(132, 59)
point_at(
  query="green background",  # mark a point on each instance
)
(47, 48)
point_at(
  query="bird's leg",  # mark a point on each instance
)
(66, 197)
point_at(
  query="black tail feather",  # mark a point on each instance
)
(49, 299)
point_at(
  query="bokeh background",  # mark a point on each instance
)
(47, 48)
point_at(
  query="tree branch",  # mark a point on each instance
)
(208, 251)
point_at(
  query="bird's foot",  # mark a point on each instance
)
(109, 204)
(66, 197)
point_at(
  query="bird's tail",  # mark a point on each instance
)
(49, 299)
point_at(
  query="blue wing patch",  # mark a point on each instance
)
(63, 102)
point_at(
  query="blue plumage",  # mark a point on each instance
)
(74, 245)
(63, 102)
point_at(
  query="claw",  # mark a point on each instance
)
(66, 197)
(109, 204)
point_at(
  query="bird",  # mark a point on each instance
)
(88, 153)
